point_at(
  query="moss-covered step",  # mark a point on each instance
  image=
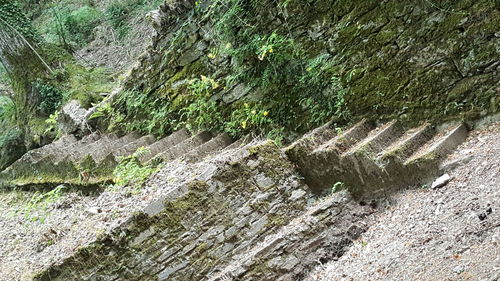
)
(164, 144)
(80, 151)
(320, 164)
(27, 165)
(445, 141)
(183, 147)
(37, 154)
(101, 152)
(214, 210)
(401, 149)
(209, 148)
(421, 166)
(310, 141)
(86, 140)
(376, 141)
(331, 223)
(372, 162)
(85, 162)
(132, 147)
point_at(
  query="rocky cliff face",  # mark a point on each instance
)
(380, 59)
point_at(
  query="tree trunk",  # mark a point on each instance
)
(21, 60)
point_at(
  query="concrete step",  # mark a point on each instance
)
(321, 166)
(183, 147)
(310, 141)
(130, 148)
(211, 147)
(74, 146)
(367, 177)
(406, 145)
(345, 140)
(108, 148)
(238, 144)
(445, 141)
(376, 140)
(165, 143)
(79, 152)
(371, 162)
(37, 154)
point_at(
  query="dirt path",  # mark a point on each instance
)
(451, 233)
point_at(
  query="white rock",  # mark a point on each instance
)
(441, 181)
(297, 194)
(94, 210)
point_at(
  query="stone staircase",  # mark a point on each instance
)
(371, 160)
(246, 215)
(92, 159)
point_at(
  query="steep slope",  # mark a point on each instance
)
(451, 233)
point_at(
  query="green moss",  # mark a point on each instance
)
(259, 268)
(277, 220)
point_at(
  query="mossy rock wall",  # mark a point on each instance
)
(211, 212)
(409, 60)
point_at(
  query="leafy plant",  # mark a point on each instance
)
(51, 123)
(102, 111)
(50, 95)
(7, 109)
(203, 112)
(80, 24)
(131, 173)
(36, 208)
(338, 186)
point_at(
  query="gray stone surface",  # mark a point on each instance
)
(72, 119)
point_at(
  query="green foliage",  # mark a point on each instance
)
(297, 83)
(52, 124)
(86, 84)
(118, 12)
(250, 117)
(11, 14)
(36, 208)
(7, 109)
(338, 186)
(68, 25)
(50, 95)
(202, 113)
(102, 111)
(81, 22)
(136, 111)
(131, 173)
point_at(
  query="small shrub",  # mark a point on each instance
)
(50, 95)
(81, 23)
(202, 113)
(131, 173)
(338, 186)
